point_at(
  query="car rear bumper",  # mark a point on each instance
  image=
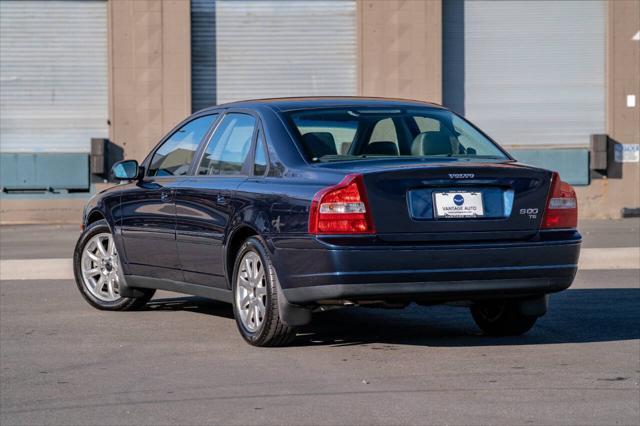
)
(444, 272)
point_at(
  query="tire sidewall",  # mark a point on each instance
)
(255, 245)
(510, 322)
(93, 229)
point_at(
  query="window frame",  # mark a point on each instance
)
(254, 150)
(147, 161)
(247, 166)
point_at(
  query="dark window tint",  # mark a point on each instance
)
(174, 156)
(376, 132)
(229, 146)
(326, 132)
(260, 161)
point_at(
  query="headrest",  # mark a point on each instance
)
(344, 148)
(382, 148)
(319, 144)
(431, 143)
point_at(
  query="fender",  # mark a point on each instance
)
(291, 314)
(230, 243)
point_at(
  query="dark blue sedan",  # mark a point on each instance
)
(284, 207)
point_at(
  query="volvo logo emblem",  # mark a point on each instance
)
(458, 200)
(462, 175)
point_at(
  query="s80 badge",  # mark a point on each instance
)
(532, 213)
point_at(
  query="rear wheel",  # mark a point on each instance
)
(255, 297)
(501, 318)
(98, 271)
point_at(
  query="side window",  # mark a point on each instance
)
(260, 160)
(174, 156)
(229, 146)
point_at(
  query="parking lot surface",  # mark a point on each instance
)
(182, 361)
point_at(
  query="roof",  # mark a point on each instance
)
(285, 104)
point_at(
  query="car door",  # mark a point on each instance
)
(148, 216)
(205, 202)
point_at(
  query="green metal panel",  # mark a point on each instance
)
(572, 164)
(27, 171)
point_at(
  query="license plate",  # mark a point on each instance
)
(458, 204)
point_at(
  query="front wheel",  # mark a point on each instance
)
(98, 273)
(497, 318)
(255, 297)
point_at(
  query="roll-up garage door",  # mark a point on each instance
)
(274, 48)
(53, 75)
(528, 73)
(203, 54)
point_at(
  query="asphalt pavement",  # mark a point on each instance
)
(182, 361)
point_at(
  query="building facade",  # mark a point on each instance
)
(539, 77)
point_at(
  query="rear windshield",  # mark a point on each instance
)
(346, 134)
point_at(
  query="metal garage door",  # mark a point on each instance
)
(53, 75)
(273, 48)
(203, 54)
(528, 73)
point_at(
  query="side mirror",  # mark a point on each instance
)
(126, 170)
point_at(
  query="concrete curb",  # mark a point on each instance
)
(62, 269)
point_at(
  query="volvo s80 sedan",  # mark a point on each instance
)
(284, 207)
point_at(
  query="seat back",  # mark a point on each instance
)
(319, 144)
(432, 143)
(382, 148)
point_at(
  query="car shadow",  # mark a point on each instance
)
(574, 316)
(194, 304)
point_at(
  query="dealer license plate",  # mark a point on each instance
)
(458, 204)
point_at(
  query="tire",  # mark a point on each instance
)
(501, 318)
(255, 297)
(108, 272)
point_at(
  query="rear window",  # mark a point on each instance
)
(346, 134)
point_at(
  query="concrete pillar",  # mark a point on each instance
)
(400, 49)
(149, 71)
(605, 197)
(623, 70)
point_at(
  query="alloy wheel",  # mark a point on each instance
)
(100, 268)
(251, 291)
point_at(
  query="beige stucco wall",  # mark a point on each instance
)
(150, 71)
(19, 211)
(400, 52)
(605, 197)
(44, 210)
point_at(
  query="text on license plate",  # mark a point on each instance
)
(458, 204)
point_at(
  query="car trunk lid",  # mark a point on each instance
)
(455, 201)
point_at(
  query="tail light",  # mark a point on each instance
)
(562, 205)
(341, 209)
